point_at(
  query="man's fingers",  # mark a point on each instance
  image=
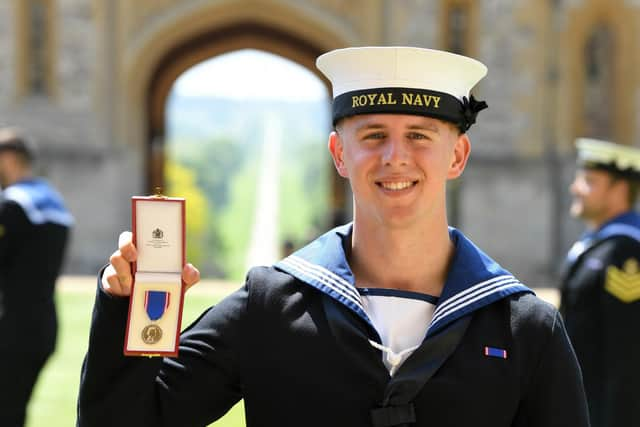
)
(122, 268)
(124, 238)
(117, 278)
(111, 284)
(126, 246)
(190, 275)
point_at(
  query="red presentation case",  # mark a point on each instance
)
(157, 293)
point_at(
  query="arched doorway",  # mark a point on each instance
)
(245, 138)
(245, 35)
(208, 45)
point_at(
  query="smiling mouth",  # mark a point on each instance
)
(397, 186)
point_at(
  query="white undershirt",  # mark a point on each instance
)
(401, 319)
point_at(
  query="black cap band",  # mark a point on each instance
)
(398, 100)
(628, 173)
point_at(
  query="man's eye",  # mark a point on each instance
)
(416, 135)
(375, 135)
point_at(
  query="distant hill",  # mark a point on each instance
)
(197, 117)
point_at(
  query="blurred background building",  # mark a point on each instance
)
(92, 81)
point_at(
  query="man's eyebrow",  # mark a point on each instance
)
(430, 127)
(375, 126)
(368, 126)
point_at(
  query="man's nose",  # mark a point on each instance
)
(396, 152)
(576, 186)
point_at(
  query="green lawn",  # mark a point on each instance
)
(54, 400)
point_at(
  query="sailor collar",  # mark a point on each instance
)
(40, 202)
(626, 224)
(474, 280)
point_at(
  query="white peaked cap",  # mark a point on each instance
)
(608, 155)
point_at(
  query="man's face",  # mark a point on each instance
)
(398, 165)
(591, 190)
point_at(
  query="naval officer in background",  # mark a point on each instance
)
(601, 287)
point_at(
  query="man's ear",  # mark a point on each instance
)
(336, 150)
(619, 189)
(460, 155)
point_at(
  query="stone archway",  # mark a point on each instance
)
(170, 45)
(205, 46)
(210, 44)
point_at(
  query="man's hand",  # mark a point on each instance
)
(117, 278)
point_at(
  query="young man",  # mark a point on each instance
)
(392, 320)
(601, 288)
(34, 229)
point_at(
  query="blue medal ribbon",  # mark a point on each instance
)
(156, 303)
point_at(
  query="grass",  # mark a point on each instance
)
(54, 401)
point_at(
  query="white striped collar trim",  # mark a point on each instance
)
(322, 264)
(326, 281)
(470, 292)
(460, 304)
(473, 298)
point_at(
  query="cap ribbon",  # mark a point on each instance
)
(470, 109)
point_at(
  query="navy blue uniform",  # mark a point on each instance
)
(293, 342)
(34, 229)
(601, 306)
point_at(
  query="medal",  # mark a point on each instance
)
(151, 334)
(155, 305)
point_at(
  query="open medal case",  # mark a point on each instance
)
(157, 293)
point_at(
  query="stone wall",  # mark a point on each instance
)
(7, 60)
(90, 174)
(76, 54)
(506, 211)
(509, 203)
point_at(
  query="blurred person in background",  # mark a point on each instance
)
(34, 230)
(601, 285)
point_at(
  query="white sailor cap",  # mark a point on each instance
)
(403, 80)
(620, 159)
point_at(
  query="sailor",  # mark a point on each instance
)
(393, 319)
(601, 286)
(34, 230)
